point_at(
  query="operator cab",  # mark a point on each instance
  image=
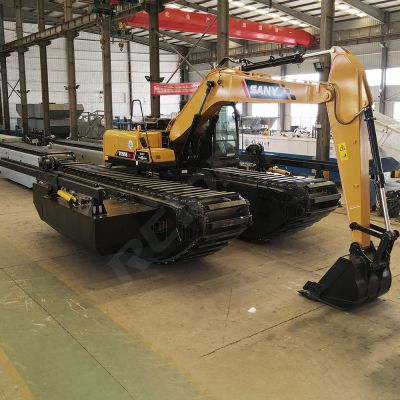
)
(218, 139)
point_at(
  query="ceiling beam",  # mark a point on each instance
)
(368, 9)
(83, 22)
(308, 19)
(28, 17)
(190, 40)
(356, 35)
(301, 16)
(197, 7)
(145, 41)
(242, 42)
(209, 11)
(48, 6)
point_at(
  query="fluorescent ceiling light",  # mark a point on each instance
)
(238, 3)
(284, 19)
(303, 25)
(295, 22)
(251, 8)
(353, 11)
(273, 15)
(361, 14)
(173, 5)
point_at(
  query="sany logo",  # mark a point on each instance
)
(266, 90)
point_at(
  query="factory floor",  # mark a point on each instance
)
(74, 325)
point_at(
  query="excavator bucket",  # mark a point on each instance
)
(363, 274)
(355, 278)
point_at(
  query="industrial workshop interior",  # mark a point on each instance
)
(199, 199)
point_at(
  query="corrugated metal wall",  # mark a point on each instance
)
(89, 74)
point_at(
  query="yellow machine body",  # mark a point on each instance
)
(364, 273)
(136, 145)
(345, 95)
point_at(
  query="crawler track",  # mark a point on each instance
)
(196, 221)
(278, 203)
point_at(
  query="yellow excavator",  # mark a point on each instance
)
(188, 197)
(200, 146)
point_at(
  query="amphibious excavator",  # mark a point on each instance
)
(188, 197)
(200, 147)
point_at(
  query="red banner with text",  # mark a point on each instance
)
(162, 89)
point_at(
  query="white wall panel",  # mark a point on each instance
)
(89, 75)
(394, 59)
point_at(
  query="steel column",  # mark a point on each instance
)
(326, 42)
(1, 112)
(282, 106)
(21, 67)
(43, 71)
(130, 94)
(223, 29)
(382, 88)
(73, 115)
(154, 9)
(4, 80)
(246, 109)
(184, 77)
(107, 80)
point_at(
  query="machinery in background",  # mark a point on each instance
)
(39, 157)
(291, 145)
(91, 124)
(256, 125)
(296, 155)
(84, 151)
(9, 138)
(59, 121)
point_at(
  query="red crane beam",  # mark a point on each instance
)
(185, 21)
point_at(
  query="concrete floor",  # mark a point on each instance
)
(74, 325)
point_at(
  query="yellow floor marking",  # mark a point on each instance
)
(15, 378)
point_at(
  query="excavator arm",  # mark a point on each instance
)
(364, 273)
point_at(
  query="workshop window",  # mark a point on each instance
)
(303, 115)
(314, 77)
(396, 110)
(265, 110)
(393, 76)
(374, 77)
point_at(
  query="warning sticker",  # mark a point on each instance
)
(343, 154)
